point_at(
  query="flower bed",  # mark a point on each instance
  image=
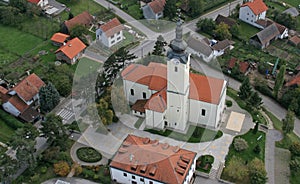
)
(88, 154)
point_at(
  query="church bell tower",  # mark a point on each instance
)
(178, 67)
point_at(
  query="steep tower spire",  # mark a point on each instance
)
(178, 46)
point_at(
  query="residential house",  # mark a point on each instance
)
(154, 9)
(200, 48)
(71, 51)
(243, 65)
(58, 39)
(23, 99)
(84, 19)
(263, 38)
(175, 96)
(283, 31)
(292, 11)
(40, 3)
(221, 46)
(141, 160)
(295, 40)
(252, 11)
(110, 33)
(226, 20)
(295, 81)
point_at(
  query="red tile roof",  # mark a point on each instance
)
(154, 160)
(207, 89)
(3, 94)
(294, 81)
(154, 76)
(295, 40)
(158, 101)
(157, 5)
(256, 6)
(3, 90)
(243, 66)
(29, 87)
(34, 1)
(18, 103)
(72, 48)
(84, 19)
(59, 37)
(112, 27)
(139, 105)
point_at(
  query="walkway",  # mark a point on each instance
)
(70, 180)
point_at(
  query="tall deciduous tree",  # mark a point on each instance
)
(159, 46)
(49, 97)
(54, 130)
(77, 31)
(222, 31)
(279, 80)
(170, 9)
(245, 89)
(288, 122)
(196, 7)
(236, 169)
(257, 172)
(206, 25)
(105, 113)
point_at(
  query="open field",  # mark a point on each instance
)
(5, 132)
(16, 41)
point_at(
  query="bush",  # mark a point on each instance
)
(10, 120)
(61, 168)
(88, 154)
(295, 149)
(228, 103)
(43, 170)
(295, 164)
(240, 144)
(257, 149)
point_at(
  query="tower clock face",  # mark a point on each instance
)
(176, 62)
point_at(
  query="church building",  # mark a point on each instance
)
(170, 96)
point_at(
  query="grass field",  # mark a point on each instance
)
(194, 134)
(17, 41)
(5, 132)
(246, 30)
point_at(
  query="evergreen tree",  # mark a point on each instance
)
(70, 16)
(255, 100)
(49, 97)
(279, 80)
(114, 64)
(170, 9)
(255, 130)
(159, 46)
(288, 122)
(245, 89)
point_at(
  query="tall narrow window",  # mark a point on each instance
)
(176, 69)
(132, 92)
(144, 95)
(203, 112)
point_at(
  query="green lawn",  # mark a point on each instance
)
(6, 132)
(276, 122)
(246, 30)
(86, 66)
(294, 3)
(194, 134)
(17, 41)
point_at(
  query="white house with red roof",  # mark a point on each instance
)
(22, 100)
(141, 160)
(110, 33)
(252, 11)
(173, 96)
(154, 9)
(58, 39)
(70, 51)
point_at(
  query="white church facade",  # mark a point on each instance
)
(169, 96)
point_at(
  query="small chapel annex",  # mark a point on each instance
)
(169, 96)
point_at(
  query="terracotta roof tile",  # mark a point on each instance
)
(139, 106)
(205, 88)
(295, 40)
(257, 6)
(84, 19)
(157, 102)
(18, 103)
(294, 81)
(157, 5)
(72, 48)
(59, 37)
(243, 66)
(29, 87)
(112, 27)
(3, 90)
(34, 1)
(152, 157)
